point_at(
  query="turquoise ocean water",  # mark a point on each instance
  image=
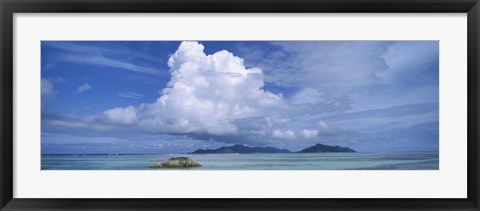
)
(287, 161)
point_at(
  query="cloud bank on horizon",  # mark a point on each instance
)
(172, 97)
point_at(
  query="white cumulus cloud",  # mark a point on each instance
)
(207, 94)
(323, 125)
(82, 88)
(308, 134)
(47, 88)
(287, 134)
(124, 116)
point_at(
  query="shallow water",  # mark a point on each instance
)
(288, 161)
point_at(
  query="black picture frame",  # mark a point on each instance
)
(9, 7)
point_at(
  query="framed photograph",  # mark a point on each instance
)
(239, 105)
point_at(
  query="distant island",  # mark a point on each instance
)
(237, 148)
(326, 148)
(241, 149)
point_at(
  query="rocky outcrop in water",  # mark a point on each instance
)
(177, 162)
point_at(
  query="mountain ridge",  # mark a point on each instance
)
(326, 148)
(241, 149)
(237, 148)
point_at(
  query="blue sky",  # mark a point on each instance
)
(176, 97)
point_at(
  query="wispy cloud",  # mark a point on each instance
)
(47, 88)
(130, 95)
(71, 46)
(82, 88)
(108, 62)
(57, 79)
(84, 48)
(117, 56)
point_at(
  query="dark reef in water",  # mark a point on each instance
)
(240, 149)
